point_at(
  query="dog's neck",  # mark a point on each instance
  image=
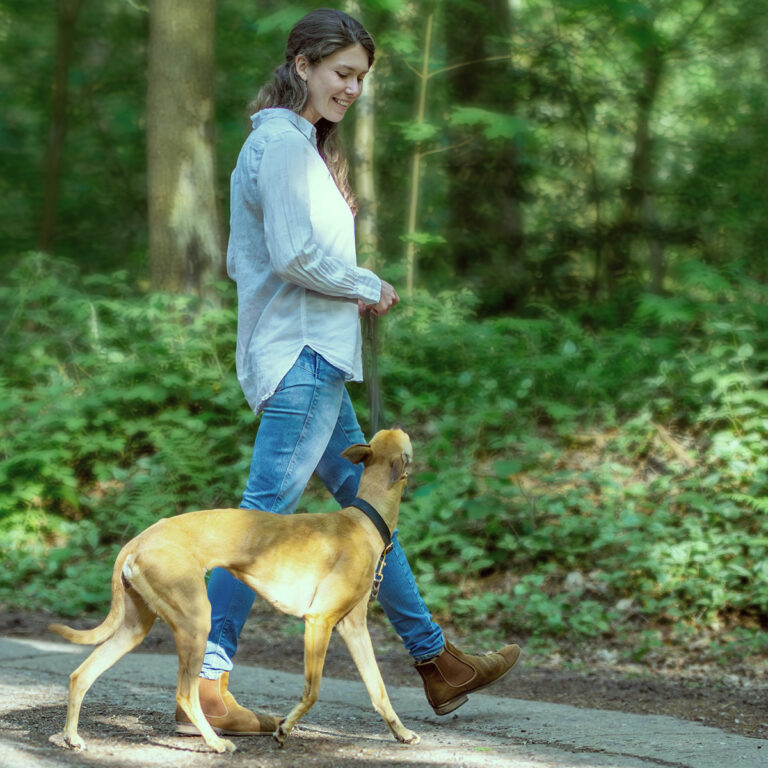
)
(375, 488)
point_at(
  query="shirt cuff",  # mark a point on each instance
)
(368, 286)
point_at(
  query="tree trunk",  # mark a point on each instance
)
(639, 215)
(185, 242)
(413, 205)
(486, 226)
(365, 186)
(656, 260)
(363, 155)
(366, 231)
(67, 14)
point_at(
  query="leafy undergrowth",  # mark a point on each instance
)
(569, 484)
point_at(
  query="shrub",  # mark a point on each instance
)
(567, 483)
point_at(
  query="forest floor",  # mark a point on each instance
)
(731, 694)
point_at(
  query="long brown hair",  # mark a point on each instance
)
(317, 35)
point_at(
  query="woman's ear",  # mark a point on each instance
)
(301, 62)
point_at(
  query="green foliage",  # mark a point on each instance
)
(113, 406)
(646, 526)
(418, 130)
(494, 125)
(567, 483)
(530, 134)
(570, 481)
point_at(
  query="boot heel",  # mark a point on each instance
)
(449, 706)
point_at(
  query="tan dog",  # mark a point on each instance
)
(319, 567)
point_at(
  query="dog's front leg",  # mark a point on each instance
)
(354, 630)
(317, 633)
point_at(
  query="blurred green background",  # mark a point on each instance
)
(580, 355)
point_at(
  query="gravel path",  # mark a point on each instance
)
(127, 721)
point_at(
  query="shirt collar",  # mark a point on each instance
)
(286, 114)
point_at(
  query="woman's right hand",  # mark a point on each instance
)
(387, 300)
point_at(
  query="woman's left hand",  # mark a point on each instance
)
(387, 300)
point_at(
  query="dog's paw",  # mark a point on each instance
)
(280, 735)
(222, 745)
(409, 737)
(74, 742)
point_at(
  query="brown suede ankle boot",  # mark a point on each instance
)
(224, 714)
(452, 674)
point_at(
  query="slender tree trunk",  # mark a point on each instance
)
(185, 242)
(413, 206)
(67, 15)
(366, 230)
(637, 208)
(363, 166)
(595, 192)
(639, 215)
(657, 263)
(485, 229)
(365, 186)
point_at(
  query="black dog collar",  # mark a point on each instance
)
(369, 511)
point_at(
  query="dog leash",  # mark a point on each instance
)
(376, 409)
(371, 375)
(370, 512)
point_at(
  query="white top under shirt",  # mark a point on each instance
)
(292, 254)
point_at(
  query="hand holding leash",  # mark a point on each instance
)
(387, 300)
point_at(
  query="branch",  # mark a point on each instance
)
(681, 38)
(469, 63)
(446, 149)
(142, 8)
(412, 68)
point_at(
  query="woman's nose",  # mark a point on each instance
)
(353, 89)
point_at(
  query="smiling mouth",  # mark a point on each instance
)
(341, 102)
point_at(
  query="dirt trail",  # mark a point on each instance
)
(732, 697)
(127, 717)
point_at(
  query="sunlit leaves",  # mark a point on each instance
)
(418, 130)
(493, 125)
(279, 22)
(424, 238)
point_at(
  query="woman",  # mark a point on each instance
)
(292, 253)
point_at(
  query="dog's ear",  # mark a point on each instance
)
(399, 469)
(362, 452)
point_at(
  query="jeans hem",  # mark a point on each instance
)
(427, 657)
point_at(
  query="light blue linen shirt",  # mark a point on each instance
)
(292, 254)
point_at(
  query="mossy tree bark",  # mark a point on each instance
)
(185, 240)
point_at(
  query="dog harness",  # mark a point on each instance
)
(370, 512)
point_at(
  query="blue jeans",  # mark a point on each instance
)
(305, 426)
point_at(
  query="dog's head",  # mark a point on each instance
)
(392, 446)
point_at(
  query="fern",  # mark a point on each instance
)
(758, 504)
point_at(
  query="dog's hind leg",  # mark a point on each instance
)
(317, 634)
(354, 631)
(137, 621)
(190, 625)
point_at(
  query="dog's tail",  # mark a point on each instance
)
(114, 618)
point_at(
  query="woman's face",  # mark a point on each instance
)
(334, 83)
